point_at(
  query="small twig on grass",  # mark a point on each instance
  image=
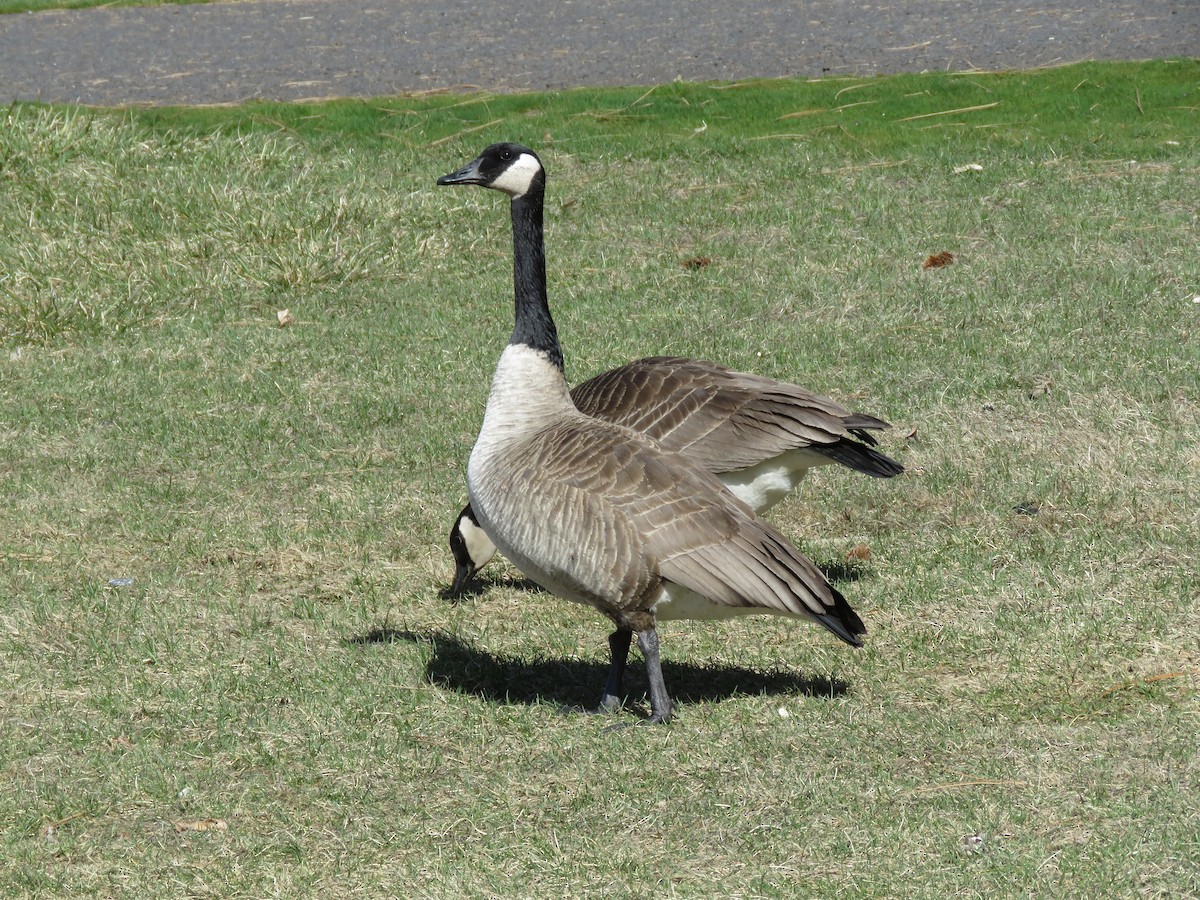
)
(794, 137)
(48, 828)
(331, 473)
(846, 106)
(950, 112)
(805, 135)
(812, 112)
(478, 98)
(278, 123)
(465, 131)
(1166, 676)
(979, 782)
(643, 97)
(865, 167)
(853, 87)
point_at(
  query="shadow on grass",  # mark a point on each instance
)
(484, 582)
(844, 572)
(461, 667)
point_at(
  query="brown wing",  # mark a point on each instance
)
(617, 515)
(726, 420)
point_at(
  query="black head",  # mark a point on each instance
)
(511, 168)
(471, 548)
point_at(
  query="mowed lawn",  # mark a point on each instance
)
(226, 667)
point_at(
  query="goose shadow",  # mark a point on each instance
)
(459, 666)
(843, 572)
(483, 582)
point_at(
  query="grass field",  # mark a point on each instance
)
(24, 6)
(225, 667)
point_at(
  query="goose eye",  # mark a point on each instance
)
(506, 155)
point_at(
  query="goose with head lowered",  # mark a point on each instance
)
(758, 435)
(600, 514)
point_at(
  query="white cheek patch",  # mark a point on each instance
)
(479, 545)
(518, 177)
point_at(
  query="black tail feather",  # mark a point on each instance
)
(843, 621)
(860, 458)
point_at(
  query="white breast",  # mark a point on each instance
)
(528, 393)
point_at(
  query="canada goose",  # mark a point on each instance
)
(758, 435)
(598, 513)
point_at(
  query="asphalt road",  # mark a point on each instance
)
(299, 49)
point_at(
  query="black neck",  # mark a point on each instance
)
(534, 325)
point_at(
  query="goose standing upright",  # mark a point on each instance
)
(598, 513)
(758, 435)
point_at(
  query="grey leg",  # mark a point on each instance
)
(660, 700)
(618, 645)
